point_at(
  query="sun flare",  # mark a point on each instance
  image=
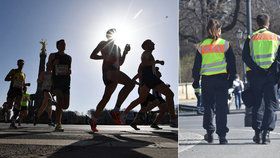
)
(123, 35)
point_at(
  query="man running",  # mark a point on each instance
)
(151, 81)
(152, 100)
(16, 77)
(112, 76)
(60, 64)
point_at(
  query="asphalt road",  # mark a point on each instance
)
(241, 145)
(78, 141)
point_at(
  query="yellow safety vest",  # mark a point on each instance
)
(213, 56)
(263, 48)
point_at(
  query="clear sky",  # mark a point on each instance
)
(83, 25)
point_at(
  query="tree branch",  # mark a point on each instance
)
(235, 17)
(190, 38)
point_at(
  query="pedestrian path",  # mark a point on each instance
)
(192, 145)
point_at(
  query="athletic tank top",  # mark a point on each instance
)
(148, 70)
(60, 70)
(18, 79)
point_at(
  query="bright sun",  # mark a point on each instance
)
(123, 35)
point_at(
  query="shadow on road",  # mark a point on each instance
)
(21, 131)
(113, 145)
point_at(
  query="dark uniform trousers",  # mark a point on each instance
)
(264, 88)
(214, 97)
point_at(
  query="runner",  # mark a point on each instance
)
(24, 106)
(112, 76)
(151, 81)
(45, 79)
(14, 96)
(152, 100)
(60, 64)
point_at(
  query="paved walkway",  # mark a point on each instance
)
(241, 145)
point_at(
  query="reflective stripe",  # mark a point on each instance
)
(265, 63)
(212, 49)
(213, 64)
(213, 69)
(265, 36)
(213, 56)
(263, 56)
(263, 47)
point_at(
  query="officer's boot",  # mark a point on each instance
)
(223, 140)
(209, 137)
(257, 137)
(265, 137)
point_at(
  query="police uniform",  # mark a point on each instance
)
(215, 65)
(260, 51)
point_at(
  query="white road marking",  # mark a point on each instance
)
(189, 140)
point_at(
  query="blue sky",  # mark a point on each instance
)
(83, 25)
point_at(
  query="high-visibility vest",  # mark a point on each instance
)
(213, 56)
(263, 48)
(25, 99)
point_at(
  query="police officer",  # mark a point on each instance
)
(215, 65)
(260, 50)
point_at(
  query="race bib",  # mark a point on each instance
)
(18, 80)
(61, 70)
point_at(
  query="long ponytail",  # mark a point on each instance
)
(213, 29)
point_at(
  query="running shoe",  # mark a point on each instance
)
(155, 126)
(134, 126)
(92, 124)
(51, 124)
(116, 117)
(13, 126)
(58, 128)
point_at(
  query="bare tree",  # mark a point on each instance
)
(194, 15)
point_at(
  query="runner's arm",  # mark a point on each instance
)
(146, 62)
(94, 54)
(126, 50)
(9, 76)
